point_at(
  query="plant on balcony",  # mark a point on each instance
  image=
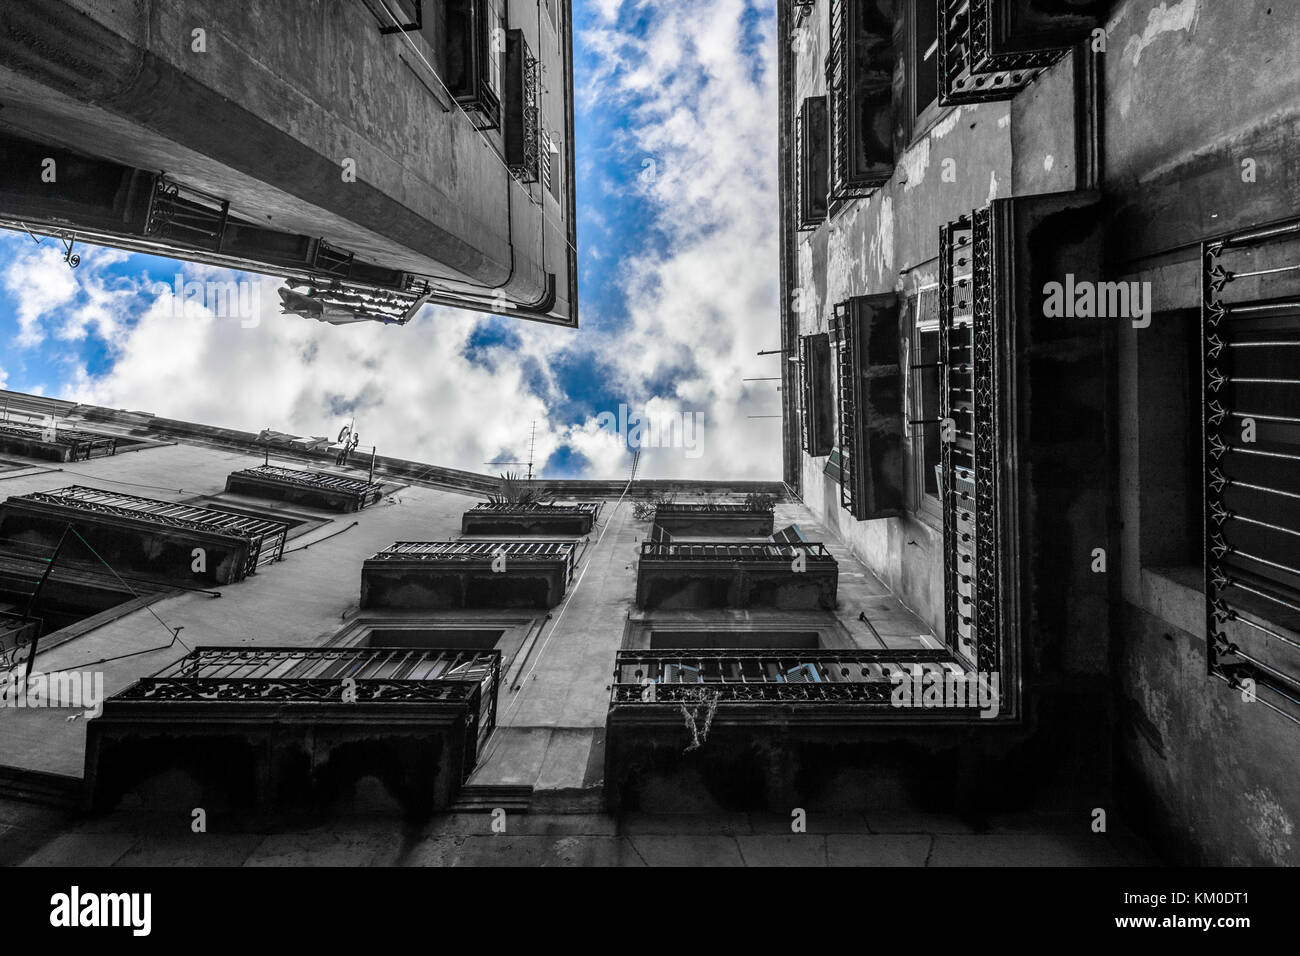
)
(703, 704)
(645, 510)
(760, 502)
(520, 493)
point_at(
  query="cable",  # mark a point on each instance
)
(304, 547)
(568, 598)
(175, 632)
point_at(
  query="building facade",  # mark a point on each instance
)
(378, 154)
(1039, 310)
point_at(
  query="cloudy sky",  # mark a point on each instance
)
(676, 141)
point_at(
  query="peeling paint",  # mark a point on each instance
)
(880, 252)
(947, 124)
(1163, 19)
(915, 163)
(1182, 15)
(993, 185)
(1271, 825)
(1048, 162)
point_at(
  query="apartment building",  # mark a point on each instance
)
(1039, 306)
(377, 154)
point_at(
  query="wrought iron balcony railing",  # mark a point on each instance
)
(969, 458)
(1250, 323)
(869, 406)
(522, 110)
(315, 675)
(17, 631)
(859, 85)
(811, 183)
(701, 507)
(591, 508)
(464, 552)
(264, 538)
(357, 491)
(771, 552)
(70, 444)
(992, 49)
(816, 391)
(753, 676)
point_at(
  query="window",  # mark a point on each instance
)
(550, 165)
(811, 162)
(925, 421)
(818, 395)
(474, 54)
(925, 55)
(860, 89)
(522, 110)
(1251, 428)
(869, 405)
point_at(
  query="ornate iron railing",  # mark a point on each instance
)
(17, 631)
(969, 70)
(859, 76)
(703, 507)
(533, 508)
(363, 675)
(265, 538)
(845, 340)
(83, 445)
(187, 216)
(775, 552)
(1250, 325)
(359, 488)
(806, 398)
(452, 552)
(743, 675)
(810, 170)
(971, 440)
(523, 94)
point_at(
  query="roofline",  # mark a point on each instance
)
(401, 470)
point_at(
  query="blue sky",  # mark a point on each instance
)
(676, 161)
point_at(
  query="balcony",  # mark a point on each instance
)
(281, 727)
(160, 540)
(785, 576)
(992, 49)
(51, 443)
(860, 99)
(869, 400)
(527, 519)
(315, 489)
(1024, 464)
(749, 727)
(430, 575)
(17, 631)
(1250, 334)
(706, 520)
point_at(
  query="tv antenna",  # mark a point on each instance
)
(532, 452)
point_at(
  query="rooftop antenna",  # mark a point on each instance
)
(532, 448)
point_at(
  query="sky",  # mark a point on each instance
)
(676, 139)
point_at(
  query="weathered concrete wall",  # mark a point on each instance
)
(1193, 89)
(889, 243)
(269, 111)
